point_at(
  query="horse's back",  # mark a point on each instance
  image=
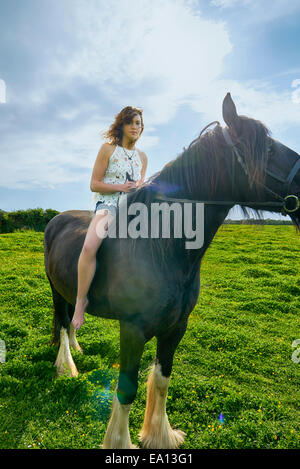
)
(66, 223)
(68, 220)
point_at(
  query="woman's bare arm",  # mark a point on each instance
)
(144, 160)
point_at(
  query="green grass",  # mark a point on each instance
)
(234, 360)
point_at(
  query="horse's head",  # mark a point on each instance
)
(267, 172)
(240, 164)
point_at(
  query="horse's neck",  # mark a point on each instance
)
(191, 258)
(177, 186)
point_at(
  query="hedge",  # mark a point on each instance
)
(33, 219)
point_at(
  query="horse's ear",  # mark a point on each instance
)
(230, 115)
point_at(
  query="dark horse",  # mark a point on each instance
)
(151, 284)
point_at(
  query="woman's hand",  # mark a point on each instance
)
(127, 186)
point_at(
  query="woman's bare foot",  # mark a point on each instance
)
(78, 317)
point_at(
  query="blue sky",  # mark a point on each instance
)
(68, 67)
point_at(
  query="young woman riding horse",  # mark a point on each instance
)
(116, 159)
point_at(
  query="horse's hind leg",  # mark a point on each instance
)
(64, 362)
(132, 345)
(72, 331)
(157, 431)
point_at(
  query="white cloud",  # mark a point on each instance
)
(150, 54)
(258, 11)
(296, 92)
(155, 53)
(254, 98)
(229, 3)
(47, 159)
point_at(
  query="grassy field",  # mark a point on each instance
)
(234, 383)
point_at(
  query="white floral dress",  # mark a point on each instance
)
(121, 161)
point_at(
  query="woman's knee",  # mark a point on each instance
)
(87, 252)
(96, 232)
(102, 223)
(90, 247)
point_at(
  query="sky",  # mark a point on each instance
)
(68, 67)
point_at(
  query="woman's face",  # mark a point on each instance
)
(133, 130)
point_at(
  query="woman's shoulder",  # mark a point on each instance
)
(107, 149)
(108, 146)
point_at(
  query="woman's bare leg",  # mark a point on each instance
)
(87, 264)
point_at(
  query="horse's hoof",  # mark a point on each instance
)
(172, 440)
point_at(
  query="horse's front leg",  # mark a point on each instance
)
(132, 343)
(157, 431)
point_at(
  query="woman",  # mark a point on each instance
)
(118, 168)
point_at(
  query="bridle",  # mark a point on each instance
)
(288, 204)
(283, 202)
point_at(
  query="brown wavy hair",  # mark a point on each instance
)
(114, 134)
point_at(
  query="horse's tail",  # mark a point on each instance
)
(62, 314)
(62, 310)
